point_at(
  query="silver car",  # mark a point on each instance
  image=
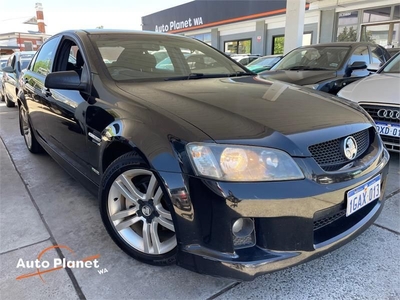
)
(379, 95)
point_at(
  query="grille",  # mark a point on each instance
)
(372, 110)
(329, 154)
(328, 220)
(392, 143)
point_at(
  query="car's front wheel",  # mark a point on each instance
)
(26, 130)
(135, 211)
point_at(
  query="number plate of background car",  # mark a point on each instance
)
(362, 195)
(388, 129)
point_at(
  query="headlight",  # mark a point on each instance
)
(242, 163)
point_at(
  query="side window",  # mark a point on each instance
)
(377, 55)
(44, 59)
(13, 60)
(360, 54)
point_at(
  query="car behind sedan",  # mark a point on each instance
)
(11, 73)
(379, 95)
(209, 167)
(328, 67)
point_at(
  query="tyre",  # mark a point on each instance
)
(26, 130)
(9, 103)
(136, 213)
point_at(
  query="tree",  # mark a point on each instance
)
(350, 35)
(278, 44)
(100, 27)
(347, 35)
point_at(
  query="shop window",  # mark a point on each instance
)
(205, 37)
(278, 42)
(376, 14)
(347, 26)
(396, 12)
(238, 47)
(380, 34)
(28, 46)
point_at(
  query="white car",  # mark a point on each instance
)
(379, 95)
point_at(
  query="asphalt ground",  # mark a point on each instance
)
(42, 206)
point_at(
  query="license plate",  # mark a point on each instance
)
(388, 129)
(362, 195)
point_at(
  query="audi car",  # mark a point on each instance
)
(379, 95)
(207, 166)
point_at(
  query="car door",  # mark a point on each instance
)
(67, 109)
(34, 91)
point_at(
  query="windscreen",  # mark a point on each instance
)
(393, 66)
(141, 57)
(264, 62)
(314, 58)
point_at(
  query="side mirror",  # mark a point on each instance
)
(357, 65)
(373, 67)
(64, 80)
(8, 69)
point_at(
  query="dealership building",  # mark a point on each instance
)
(260, 27)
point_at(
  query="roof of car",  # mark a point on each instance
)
(343, 44)
(116, 31)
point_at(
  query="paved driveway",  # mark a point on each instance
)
(42, 206)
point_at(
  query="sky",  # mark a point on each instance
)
(62, 15)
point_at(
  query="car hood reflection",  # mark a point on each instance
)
(247, 108)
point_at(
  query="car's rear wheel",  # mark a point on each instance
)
(26, 130)
(135, 211)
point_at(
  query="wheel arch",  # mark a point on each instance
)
(116, 149)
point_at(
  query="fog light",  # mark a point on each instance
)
(243, 233)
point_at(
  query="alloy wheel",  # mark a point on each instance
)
(139, 214)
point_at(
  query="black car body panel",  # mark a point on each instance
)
(86, 130)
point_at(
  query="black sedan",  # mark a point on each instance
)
(328, 67)
(206, 166)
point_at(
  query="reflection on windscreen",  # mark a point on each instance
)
(133, 56)
(315, 58)
(264, 62)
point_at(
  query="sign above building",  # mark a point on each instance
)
(206, 13)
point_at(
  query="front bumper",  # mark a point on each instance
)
(295, 221)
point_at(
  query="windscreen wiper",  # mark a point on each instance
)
(187, 77)
(240, 73)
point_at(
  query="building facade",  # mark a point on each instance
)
(30, 40)
(258, 27)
